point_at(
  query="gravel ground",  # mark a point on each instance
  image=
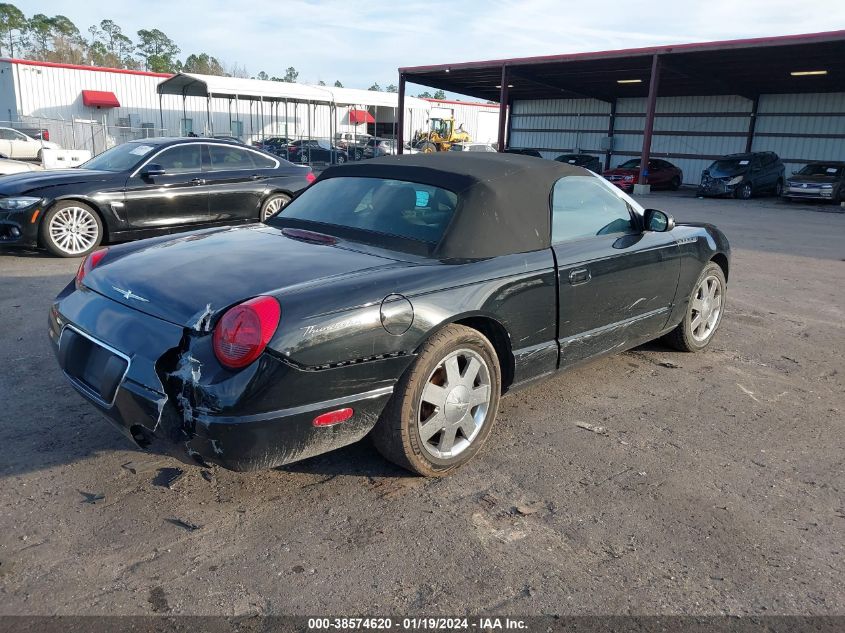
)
(717, 488)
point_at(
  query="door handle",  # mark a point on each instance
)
(256, 177)
(198, 181)
(579, 276)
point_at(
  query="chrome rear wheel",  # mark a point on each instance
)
(454, 404)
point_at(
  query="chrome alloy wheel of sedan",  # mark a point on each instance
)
(272, 206)
(74, 230)
(706, 308)
(454, 404)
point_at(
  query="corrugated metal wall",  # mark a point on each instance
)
(558, 126)
(688, 131)
(801, 127)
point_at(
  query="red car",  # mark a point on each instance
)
(661, 175)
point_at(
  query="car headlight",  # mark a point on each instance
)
(628, 178)
(734, 181)
(20, 202)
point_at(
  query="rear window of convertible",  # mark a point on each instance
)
(396, 208)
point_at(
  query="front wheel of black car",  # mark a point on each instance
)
(704, 312)
(743, 191)
(779, 188)
(274, 204)
(71, 229)
(444, 406)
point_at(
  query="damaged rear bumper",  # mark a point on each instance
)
(173, 398)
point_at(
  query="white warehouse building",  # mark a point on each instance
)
(87, 107)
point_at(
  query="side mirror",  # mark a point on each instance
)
(152, 169)
(658, 221)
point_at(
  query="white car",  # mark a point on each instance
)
(8, 166)
(472, 147)
(15, 144)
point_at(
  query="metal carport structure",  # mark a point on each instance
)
(280, 94)
(786, 65)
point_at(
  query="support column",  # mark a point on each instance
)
(503, 109)
(184, 114)
(510, 124)
(209, 124)
(653, 86)
(752, 123)
(611, 125)
(160, 119)
(400, 119)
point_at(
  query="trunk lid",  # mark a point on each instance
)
(190, 279)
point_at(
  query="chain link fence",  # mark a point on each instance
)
(81, 134)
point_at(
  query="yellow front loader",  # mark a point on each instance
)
(440, 136)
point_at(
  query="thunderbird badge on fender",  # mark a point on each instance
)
(400, 297)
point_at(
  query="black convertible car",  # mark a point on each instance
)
(144, 188)
(400, 297)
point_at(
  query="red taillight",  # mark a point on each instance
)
(310, 177)
(244, 331)
(45, 135)
(333, 417)
(90, 263)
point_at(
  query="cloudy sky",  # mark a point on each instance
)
(362, 41)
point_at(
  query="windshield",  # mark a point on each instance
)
(729, 166)
(391, 208)
(634, 163)
(121, 158)
(821, 169)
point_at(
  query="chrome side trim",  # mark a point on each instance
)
(207, 420)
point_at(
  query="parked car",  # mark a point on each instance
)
(379, 147)
(661, 175)
(315, 151)
(143, 188)
(17, 145)
(472, 147)
(524, 151)
(9, 166)
(38, 133)
(224, 137)
(398, 297)
(821, 180)
(275, 145)
(743, 175)
(353, 144)
(593, 163)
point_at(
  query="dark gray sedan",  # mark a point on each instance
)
(819, 181)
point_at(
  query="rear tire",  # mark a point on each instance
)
(272, 205)
(71, 229)
(428, 148)
(705, 308)
(675, 184)
(457, 368)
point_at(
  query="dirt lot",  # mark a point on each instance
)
(719, 487)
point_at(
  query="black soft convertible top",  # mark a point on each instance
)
(503, 199)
